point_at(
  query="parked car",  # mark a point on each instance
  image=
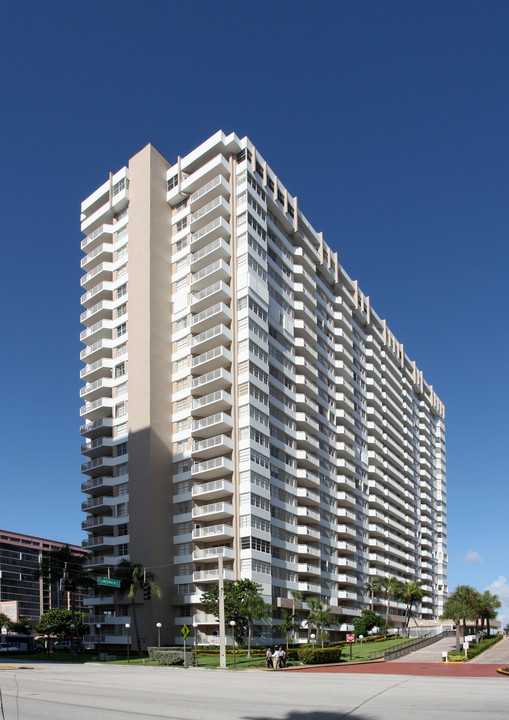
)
(6, 647)
(59, 645)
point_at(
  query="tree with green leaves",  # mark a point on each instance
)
(236, 593)
(411, 592)
(60, 623)
(459, 607)
(133, 578)
(68, 568)
(374, 585)
(5, 621)
(488, 606)
(367, 622)
(322, 618)
(391, 586)
(253, 607)
(315, 605)
(288, 626)
(20, 627)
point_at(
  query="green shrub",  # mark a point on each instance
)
(166, 656)
(453, 657)
(319, 656)
(474, 650)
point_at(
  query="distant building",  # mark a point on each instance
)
(243, 401)
(20, 594)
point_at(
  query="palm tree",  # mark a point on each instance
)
(133, 577)
(315, 605)
(373, 586)
(466, 594)
(252, 608)
(296, 595)
(410, 593)
(488, 606)
(321, 619)
(453, 610)
(288, 625)
(391, 586)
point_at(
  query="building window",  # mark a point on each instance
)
(122, 449)
(122, 510)
(120, 409)
(121, 310)
(123, 530)
(122, 290)
(123, 549)
(181, 323)
(173, 182)
(120, 369)
(121, 329)
(121, 430)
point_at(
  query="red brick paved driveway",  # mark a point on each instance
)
(407, 668)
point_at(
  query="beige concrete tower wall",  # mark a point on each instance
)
(149, 381)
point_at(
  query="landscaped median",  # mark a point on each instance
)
(473, 650)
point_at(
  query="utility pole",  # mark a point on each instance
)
(222, 637)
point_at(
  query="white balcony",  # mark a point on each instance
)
(304, 531)
(219, 379)
(214, 315)
(213, 532)
(212, 490)
(213, 425)
(305, 459)
(205, 341)
(213, 512)
(211, 360)
(308, 551)
(211, 447)
(218, 271)
(307, 587)
(218, 228)
(214, 293)
(306, 569)
(97, 369)
(212, 576)
(308, 497)
(308, 515)
(101, 291)
(306, 441)
(213, 403)
(101, 273)
(100, 311)
(305, 421)
(307, 479)
(215, 208)
(103, 233)
(97, 409)
(217, 186)
(212, 468)
(213, 553)
(97, 427)
(205, 173)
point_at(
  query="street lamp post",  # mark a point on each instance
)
(98, 626)
(128, 627)
(313, 638)
(159, 626)
(72, 627)
(48, 628)
(233, 623)
(361, 638)
(28, 633)
(195, 626)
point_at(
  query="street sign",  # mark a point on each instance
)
(185, 632)
(110, 582)
(350, 638)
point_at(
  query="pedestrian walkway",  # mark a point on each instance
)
(499, 653)
(436, 669)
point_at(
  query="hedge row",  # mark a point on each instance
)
(474, 650)
(166, 656)
(319, 656)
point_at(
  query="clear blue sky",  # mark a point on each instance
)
(387, 119)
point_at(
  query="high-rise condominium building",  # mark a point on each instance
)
(22, 595)
(244, 401)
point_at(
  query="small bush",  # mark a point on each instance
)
(474, 650)
(454, 658)
(166, 656)
(319, 656)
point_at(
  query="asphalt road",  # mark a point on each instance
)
(94, 692)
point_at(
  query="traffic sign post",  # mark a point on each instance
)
(109, 582)
(350, 638)
(185, 635)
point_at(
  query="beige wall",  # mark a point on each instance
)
(149, 381)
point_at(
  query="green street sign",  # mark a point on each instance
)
(185, 632)
(110, 582)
